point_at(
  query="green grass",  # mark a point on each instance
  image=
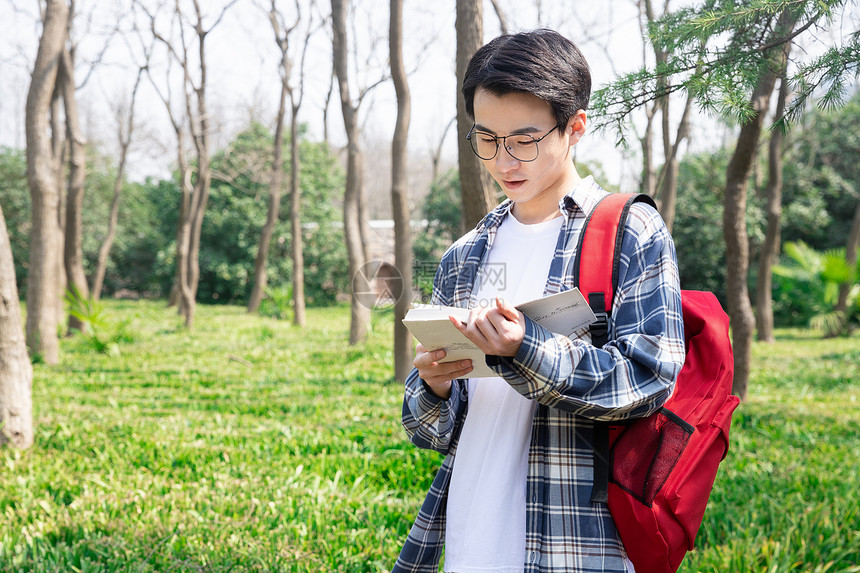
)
(250, 445)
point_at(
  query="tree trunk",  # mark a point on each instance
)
(275, 184)
(200, 196)
(665, 187)
(477, 188)
(648, 184)
(175, 298)
(113, 219)
(360, 305)
(16, 372)
(770, 248)
(669, 191)
(185, 298)
(299, 314)
(125, 133)
(61, 150)
(58, 136)
(73, 256)
(403, 354)
(277, 176)
(199, 123)
(734, 215)
(669, 176)
(326, 106)
(198, 209)
(43, 292)
(737, 250)
(363, 211)
(180, 293)
(359, 272)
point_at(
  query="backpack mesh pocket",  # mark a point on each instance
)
(646, 452)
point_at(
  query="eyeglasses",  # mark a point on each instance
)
(521, 146)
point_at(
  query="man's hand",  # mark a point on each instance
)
(438, 375)
(497, 330)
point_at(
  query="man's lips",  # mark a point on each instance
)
(512, 185)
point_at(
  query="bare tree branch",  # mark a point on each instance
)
(311, 31)
(220, 16)
(437, 153)
(94, 63)
(503, 20)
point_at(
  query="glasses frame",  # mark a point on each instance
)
(500, 140)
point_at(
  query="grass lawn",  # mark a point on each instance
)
(250, 445)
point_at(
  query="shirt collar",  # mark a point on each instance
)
(584, 197)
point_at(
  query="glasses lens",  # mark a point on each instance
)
(483, 144)
(522, 147)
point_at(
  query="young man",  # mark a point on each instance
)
(513, 493)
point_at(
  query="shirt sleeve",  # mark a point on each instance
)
(635, 372)
(429, 421)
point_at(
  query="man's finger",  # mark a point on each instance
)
(487, 326)
(500, 322)
(427, 358)
(507, 309)
(446, 371)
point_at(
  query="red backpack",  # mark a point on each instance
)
(656, 473)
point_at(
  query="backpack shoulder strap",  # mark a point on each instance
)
(596, 275)
(597, 257)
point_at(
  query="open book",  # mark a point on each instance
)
(561, 313)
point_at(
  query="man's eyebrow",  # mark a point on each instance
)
(529, 130)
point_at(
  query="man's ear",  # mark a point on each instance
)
(576, 126)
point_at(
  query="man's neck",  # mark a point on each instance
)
(545, 207)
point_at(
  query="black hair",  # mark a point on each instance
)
(541, 62)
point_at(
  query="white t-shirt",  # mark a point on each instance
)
(486, 516)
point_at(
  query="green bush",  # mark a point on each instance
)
(808, 288)
(15, 199)
(237, 210)
(98, 333)
(278, 303)
(442, 209)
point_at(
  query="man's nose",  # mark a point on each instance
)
(504, 160)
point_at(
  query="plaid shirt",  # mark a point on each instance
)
(573, 382)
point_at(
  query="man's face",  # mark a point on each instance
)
(536, 186)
